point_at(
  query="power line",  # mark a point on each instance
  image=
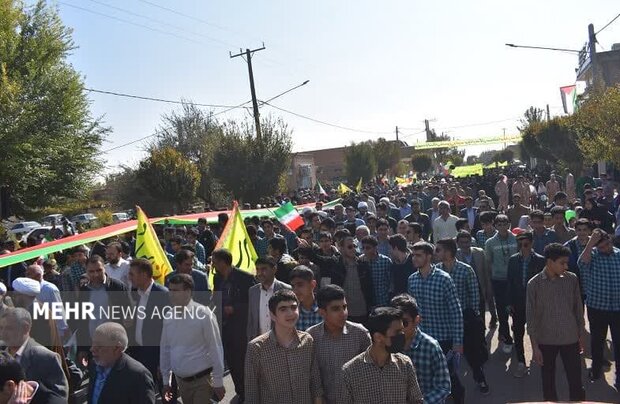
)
(128, 144)
(326, 123)
(131, 22)
(141, 97)
(161, 22)
(478, 124)
(185, 15)
(608, 24)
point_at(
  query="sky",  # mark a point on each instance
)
(371, 65)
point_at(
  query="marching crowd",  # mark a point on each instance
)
(377, 300)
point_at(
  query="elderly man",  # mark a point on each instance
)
(115, 376)
(39, 363)
(49, 294)
(445, 225)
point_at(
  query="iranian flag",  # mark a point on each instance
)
(321, 190)
(569, 98)
(288, 216)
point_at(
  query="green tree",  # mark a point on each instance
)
(387, 155)
(49, 139)
(555, 141)
(194, 133)
(169, 179)
(597, 124)
(360, 162)
(503, 155)
(421, 163)
(250, 168)
(530, 116)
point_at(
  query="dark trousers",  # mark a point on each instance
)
(458, 391)
(474, 344)
(518, 330)
(600, 321)
(572, 368)
(235, 344)
(500, 289)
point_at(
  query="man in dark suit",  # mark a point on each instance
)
(417, 216)
(259, 320)
(231, 287)
(39, 363)
(184, 260)
(115, 376)
(522, 267)
(102, 291)
(470, 212)
(150, 298)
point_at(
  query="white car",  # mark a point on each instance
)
(84, 218)
(52, 219)
(41, 231)
(22, 228)
(120, 217)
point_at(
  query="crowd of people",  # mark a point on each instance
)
(377, 300)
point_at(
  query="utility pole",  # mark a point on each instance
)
(397, 133)
(548, 114)
(593, 58)
(428, 130)
(504, 129)
(248, 56)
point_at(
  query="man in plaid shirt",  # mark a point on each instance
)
(442, 317)
(467, 288)
(380, 270)
(599, 268)
(303, 283)
(424, 351)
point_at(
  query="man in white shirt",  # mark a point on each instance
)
(445, 225)
(259, 319)
(191, 347)
(117, 267)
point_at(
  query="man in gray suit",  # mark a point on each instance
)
(474, 257)
(259, 320)
(39, 363)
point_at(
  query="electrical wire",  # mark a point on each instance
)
(185, 15)
(141, 97)
(478, 124)
(163, 23)
(326, 123)
(607, 25)
(131, 22)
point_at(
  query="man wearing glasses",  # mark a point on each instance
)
(522, 267)
(498, 250)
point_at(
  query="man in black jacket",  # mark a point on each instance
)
(105, 293)
(231, 294)
(115, 376)
(152, 299)
(417, 216)
(351, 274)
(522, 267)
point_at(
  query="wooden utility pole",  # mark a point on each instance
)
(397, 133)
(248, 58)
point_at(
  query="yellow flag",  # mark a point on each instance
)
(236, 240)
(358, 187)
(343, 189)
(149, 247)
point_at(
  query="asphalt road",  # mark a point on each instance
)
(505, 388)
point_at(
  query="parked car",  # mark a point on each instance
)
(42, 231)
(22, 228)
(83, 219)
(49, 220)
(120, 217)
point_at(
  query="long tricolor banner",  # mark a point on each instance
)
(466, 142)
(54, 246)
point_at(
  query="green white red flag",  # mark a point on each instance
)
(288, 216)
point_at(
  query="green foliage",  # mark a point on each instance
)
(471, 160)
(195, 134)
(421, 163)
(504, 155)
(168, 178)
(250, 168)
(104, 217)
(387, 155)
(555, 141)
(49, 139)
(360, 162)
(530, 116)
(597, 124)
